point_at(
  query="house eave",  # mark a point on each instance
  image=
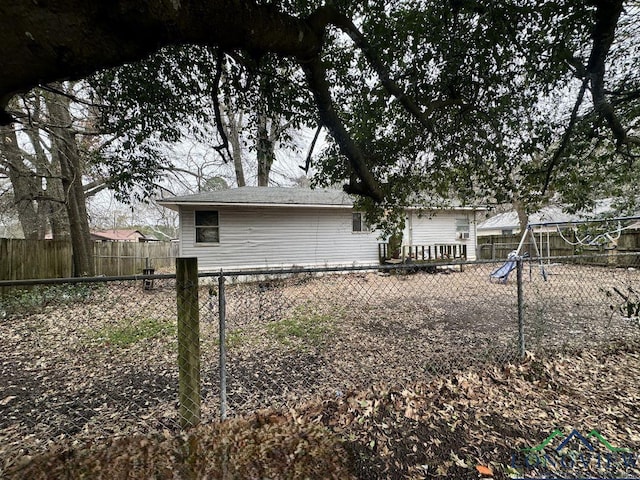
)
(468, 208)
(176, 205)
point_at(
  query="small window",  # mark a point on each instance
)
(359, 223)
(507, 232)
(462, 228)
(207, 227)
(462, 225)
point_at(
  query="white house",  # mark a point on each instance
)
(545, 220)
(507, 223)
(263, 227)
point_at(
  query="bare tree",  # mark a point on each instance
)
(44, 162)
(66, 153)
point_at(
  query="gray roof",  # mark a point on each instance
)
(264, 196)
(509, 220)
(550, 214)
(553, 214)
(282, 196)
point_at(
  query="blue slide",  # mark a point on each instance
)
(502, 273)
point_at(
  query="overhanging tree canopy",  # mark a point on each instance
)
(418, 89)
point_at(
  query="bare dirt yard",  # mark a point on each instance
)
(408, 358)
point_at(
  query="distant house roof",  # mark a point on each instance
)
(509, 220)
(549, 215)
(268, 196)
(118, 235)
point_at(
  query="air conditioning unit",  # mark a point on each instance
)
(463, 235)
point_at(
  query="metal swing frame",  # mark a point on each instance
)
(592, 241)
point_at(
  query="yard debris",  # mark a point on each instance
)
(260, 446)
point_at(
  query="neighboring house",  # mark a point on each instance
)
(507, 223)
(118, 236)
(258, 227)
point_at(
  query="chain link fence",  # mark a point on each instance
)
(93, 358)
(88, 359)
(323, 333)
(581, 302)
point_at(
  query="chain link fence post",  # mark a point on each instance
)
(521, 342)
(188, 341)
(222, 304)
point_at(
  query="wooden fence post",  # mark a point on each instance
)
(188, 341)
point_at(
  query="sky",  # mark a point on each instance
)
(106, 211)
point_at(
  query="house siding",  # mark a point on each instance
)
(276, 237)
(429, 228)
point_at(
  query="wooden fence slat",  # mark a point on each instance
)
(24, 259)
(499, 246)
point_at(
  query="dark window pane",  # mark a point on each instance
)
(207, 219)
(207, 235)
(357, 222)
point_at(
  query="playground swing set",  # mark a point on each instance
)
(603, 238)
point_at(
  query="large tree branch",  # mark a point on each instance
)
(307, 163)
(316, 77)
(89, 36)
(607, 15)
(223, 148)
(564, 142)
(94, 187)
(63, 39)
(330, 15)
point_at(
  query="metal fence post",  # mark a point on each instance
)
(188, 341)
(222, 304)
(521, 343)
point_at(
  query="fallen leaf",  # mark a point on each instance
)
(6, 400)
(482, 470)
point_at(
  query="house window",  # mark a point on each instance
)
(359, 223)
(207, 227)
(462, 228)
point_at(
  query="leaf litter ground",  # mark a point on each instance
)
(408, 371)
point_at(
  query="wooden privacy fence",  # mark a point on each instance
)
(551, 244)
(129, 258)
(24, 259)
(21, 259)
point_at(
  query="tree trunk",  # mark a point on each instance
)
(65, 151)
(523, 216)
(265, 152)
(52, 202)
(232, 130)
(25, 187)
